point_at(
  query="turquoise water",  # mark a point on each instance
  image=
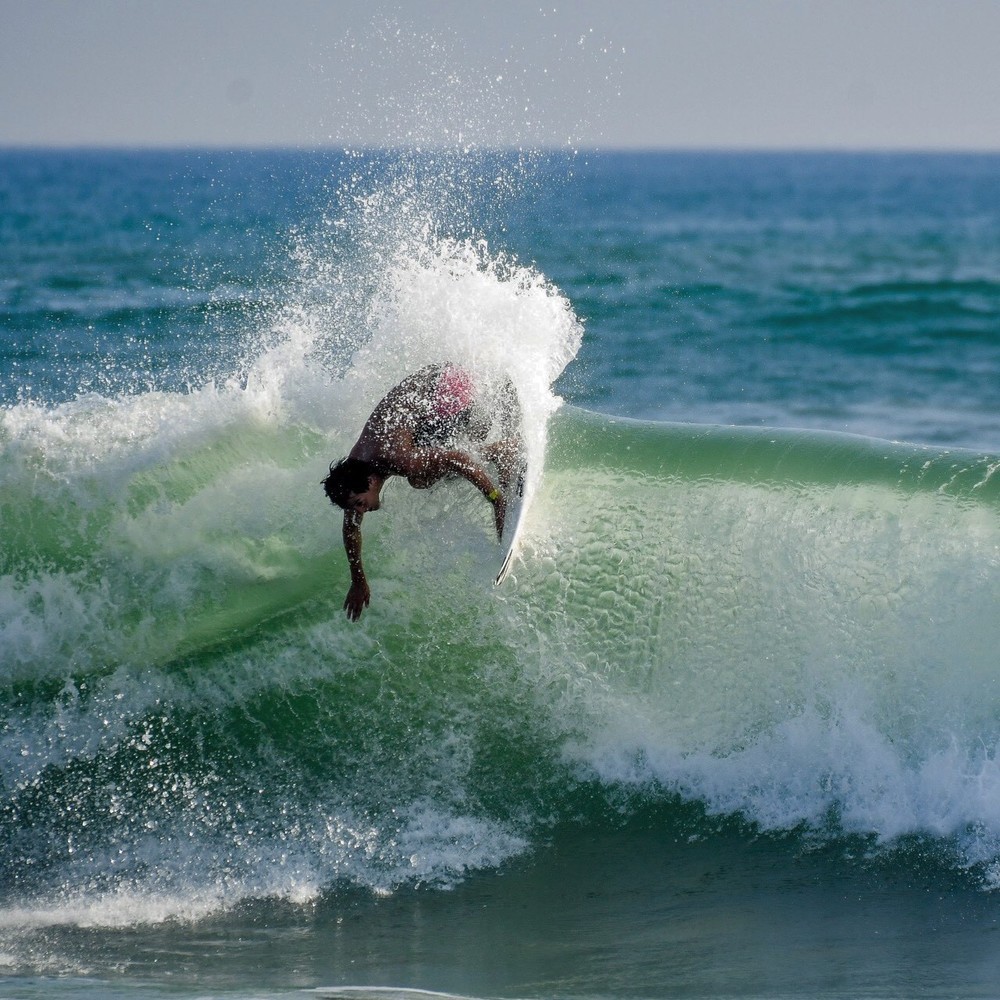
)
(731, 728)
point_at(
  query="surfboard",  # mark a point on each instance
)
(516, 506)
(518, 491)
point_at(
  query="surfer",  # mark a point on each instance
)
(412, 433)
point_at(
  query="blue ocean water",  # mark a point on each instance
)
(730, 730)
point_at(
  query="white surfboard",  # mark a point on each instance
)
(519, 489)
(513, 525)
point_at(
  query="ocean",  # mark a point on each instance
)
(731, 729)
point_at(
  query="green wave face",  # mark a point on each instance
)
(798, 629)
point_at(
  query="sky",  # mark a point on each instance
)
(681, 74)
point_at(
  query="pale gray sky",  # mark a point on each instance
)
(882, 74)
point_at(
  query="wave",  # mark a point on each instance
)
(794, 628)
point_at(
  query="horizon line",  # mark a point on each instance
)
(470, 149)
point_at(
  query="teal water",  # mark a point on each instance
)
(731, 728)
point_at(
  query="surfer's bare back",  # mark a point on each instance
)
(411, 433)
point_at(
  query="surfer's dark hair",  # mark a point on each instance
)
(347, 477)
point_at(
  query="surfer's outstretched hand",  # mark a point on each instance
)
(357, 600)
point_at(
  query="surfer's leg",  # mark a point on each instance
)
(508, 458)
(507, 452)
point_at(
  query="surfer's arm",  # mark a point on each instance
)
(468, 468)
(430, 464)
(359, 595)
